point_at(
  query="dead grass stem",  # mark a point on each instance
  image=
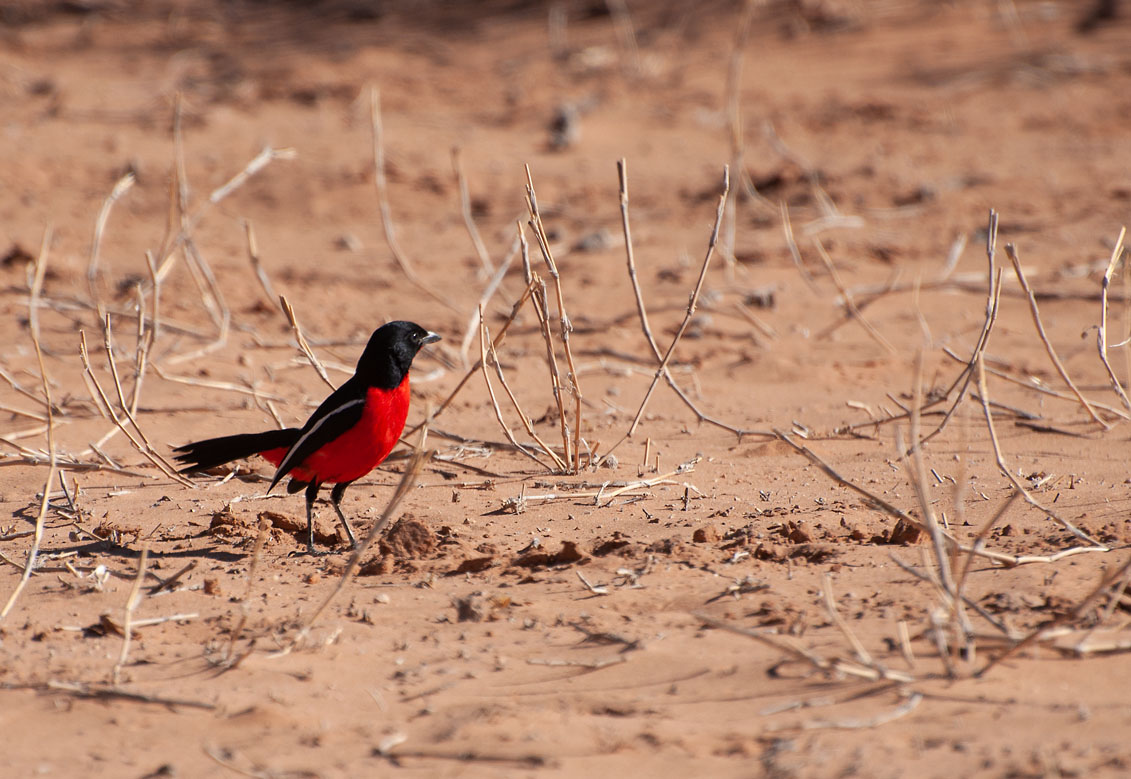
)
(289, 312)
(132, 602)
(1011, 250)
(382, 184)
(257, 263)
(515, 308)
(142, 445)
(642, 312)
(121, 187)
(484, 338)
(1116, 256)
(493, 284)
(847, 300)
(41, 515)
(166, 257)
(993, 300)
(565, 328)
(465, 210)
(1005, 469)
(1075, 614)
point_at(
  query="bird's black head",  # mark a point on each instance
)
(389, 353)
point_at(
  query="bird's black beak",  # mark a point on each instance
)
(429, 338)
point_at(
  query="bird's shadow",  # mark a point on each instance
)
(108, 548)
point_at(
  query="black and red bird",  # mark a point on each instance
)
(348, 436)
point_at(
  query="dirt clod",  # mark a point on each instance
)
(705, 535)
(409, 539)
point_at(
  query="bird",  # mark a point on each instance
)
(349, 435)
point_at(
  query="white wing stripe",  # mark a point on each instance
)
(298, 444)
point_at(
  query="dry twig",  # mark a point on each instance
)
(565, 327)
(257, 264)
(33, 329)
(103, 401)
(302, 342)
(465, 210)
(1116, 255)
(642, 311)
(498, 339)
(484, 337)
(1005, 469)
(121, 187)
(1011, 250)
(127, 622)
(165, 258)
(399, 257)
(662, 371)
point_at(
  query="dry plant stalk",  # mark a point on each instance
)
(152, 331)
(798, 652)
(165, 257)
(465, 210)
(795, 252)
(103, 692)
(863, 656)
(1011, 250)
(1116, 255)
(993, 300)
(1076, 614)
(121, 187)
(257, 264)
(127, 622)
(518, 502)
(564, 325)
(149, 451)
(498, 339)
(15, 385)
(226, 386)
(1002, 558)
(642, 311)
(850, 307)
(484, 337)
(302, 342)
(105, 406)
(979, 539)
(33, 329)
(541, 309)
(873, 498)
(1004, 468)
(943, 546)
(487, 344)
(399, 257)
(735, 133)
(692, 302)
(489, 290)
(927, 575)
(1033, 384)
(211, 296)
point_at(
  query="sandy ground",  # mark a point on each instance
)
(519, 620)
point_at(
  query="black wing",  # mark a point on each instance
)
(201, 455)
(337, 414)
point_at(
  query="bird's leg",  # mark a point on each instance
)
(311, 495)
(336, 499)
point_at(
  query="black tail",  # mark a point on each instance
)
(200, 455)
